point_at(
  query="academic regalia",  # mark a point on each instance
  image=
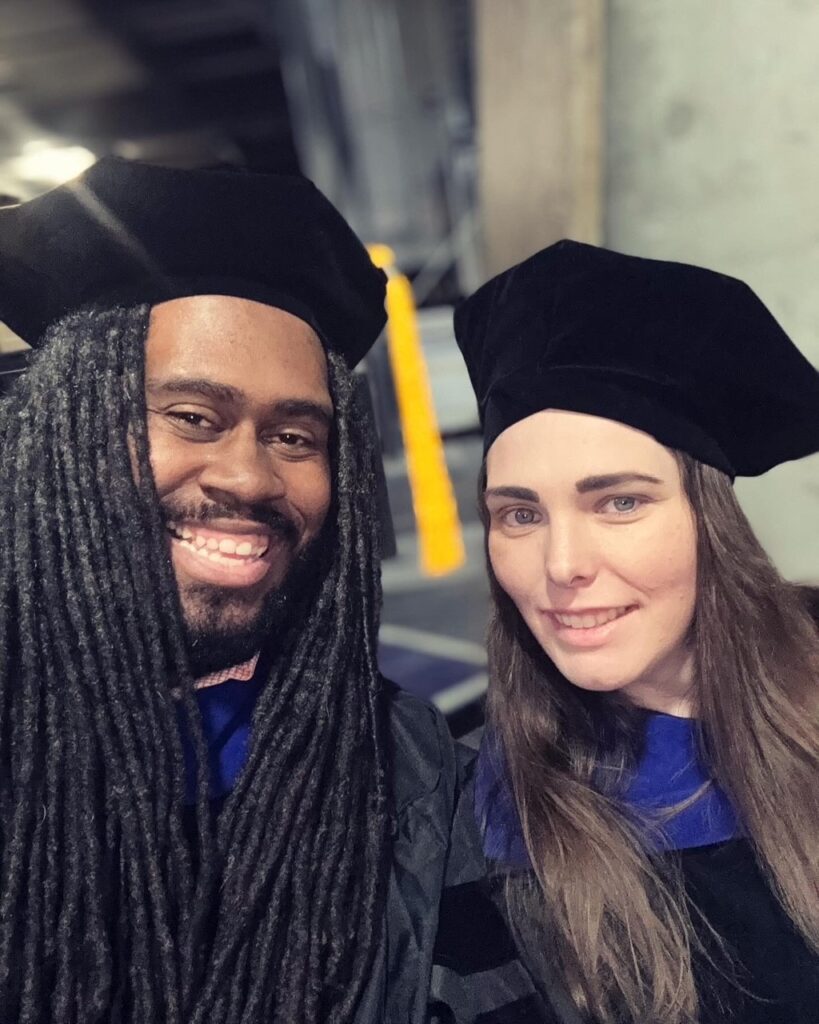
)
(437, 893)
(719, 870)
(126, 232)
(694, 359)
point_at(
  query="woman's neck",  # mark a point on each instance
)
(667, 687)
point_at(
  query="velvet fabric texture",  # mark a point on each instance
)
(132, 232)
(687, 355)
(669, 773)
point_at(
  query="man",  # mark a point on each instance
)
(213, 808)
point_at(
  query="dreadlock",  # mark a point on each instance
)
(108, 910)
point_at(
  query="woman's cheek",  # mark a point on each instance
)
(514, 566)
(667, 556)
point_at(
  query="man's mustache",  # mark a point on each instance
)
(266, 517)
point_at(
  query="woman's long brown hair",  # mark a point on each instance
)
(611, 917)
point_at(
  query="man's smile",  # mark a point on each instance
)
(240, 555)
(212, 542)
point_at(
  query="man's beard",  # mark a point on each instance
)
(214, 642)
(226, 626)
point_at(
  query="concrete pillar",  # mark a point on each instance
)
(540, 126)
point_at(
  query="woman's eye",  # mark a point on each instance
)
(520, 517)
(622, 505)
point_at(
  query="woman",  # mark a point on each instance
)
(649, 777)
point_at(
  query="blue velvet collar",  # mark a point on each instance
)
(669, 773)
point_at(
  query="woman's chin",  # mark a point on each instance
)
(596, 685)
(598, 678)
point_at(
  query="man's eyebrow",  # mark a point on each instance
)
(290, 407)
(300, 408)
(606, 480)
(519, 493)
(197, 385)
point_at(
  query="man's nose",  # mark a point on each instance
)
(570, 556)
(241, 469)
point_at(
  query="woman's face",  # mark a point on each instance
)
(592, 536)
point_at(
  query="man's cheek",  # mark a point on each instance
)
(170, 465)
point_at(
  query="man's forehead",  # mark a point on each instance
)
(224, 312)
(261, 352)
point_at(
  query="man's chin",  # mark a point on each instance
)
(212, 652)
(226, 626)
(221, 632)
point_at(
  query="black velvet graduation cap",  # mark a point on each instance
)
(134, 232)
(687, 355)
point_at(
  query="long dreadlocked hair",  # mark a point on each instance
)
(107, 911)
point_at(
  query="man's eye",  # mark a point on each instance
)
(191, 419)
(292, 440)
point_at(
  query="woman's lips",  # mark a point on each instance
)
(589, 628)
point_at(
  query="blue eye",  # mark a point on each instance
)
(519, 517)
(622, 505)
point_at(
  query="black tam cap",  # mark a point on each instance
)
(687, 355)
(132, 232)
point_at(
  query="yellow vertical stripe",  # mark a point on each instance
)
(440, 538)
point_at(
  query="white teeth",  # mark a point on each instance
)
(203, 548)
(590, 619)
(253, 546)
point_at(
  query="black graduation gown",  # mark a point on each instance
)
(447, 957)
(772, 975)
(776, 965)
(776, 972)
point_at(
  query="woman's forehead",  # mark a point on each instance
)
(557, 446)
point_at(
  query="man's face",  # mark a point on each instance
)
(239, 417)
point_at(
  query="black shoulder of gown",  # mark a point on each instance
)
(776, 974)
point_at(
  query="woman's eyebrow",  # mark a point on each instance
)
(606, 480)
(520, 493)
